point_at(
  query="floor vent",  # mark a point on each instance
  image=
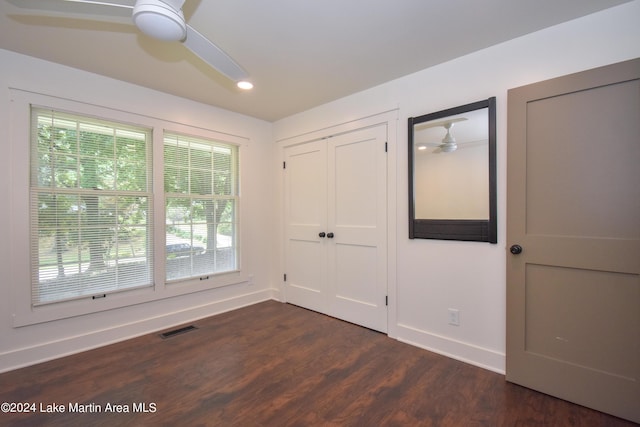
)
(178, 331)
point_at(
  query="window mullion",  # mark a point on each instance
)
(159, 231)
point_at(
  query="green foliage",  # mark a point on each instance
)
(199, 187)
(80, 169)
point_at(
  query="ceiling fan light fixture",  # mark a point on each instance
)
(245, 85)
(159, 21)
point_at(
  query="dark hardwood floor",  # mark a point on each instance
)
(274, 364)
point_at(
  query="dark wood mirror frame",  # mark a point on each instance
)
(478, 230)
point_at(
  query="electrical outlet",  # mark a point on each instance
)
(454, 317)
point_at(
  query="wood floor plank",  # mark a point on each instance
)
(274, 364)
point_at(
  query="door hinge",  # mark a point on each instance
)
(284, 165)
(386, 146)
(285, 277)
(386, 300)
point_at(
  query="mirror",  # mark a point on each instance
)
(452, 174)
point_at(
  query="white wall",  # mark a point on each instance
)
(433, 276)
(26, 345)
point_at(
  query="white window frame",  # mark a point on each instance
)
(20, 275)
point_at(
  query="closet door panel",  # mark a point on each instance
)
(357, 217)
(305, 218)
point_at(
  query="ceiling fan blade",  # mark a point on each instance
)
(111, 8)
(213, 55)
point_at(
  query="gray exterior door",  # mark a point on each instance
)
(573, 208)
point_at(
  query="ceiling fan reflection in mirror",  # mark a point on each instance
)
(160, 19)
(448, 143)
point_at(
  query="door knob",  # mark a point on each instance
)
(321, 234)
(515, 249)
(330, 235)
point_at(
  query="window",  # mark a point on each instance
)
(201, 205)
(91, 207)
(93, 226)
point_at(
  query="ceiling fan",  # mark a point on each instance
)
(160, 19)
(448, 143)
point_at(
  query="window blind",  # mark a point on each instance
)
(201, 202)
(91, 207)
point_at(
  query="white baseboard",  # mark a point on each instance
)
(464, 352)
(276, 294)
(50, 350)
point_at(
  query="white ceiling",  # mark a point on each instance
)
(299, 53)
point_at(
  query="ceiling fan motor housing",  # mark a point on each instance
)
(159, 20)
(449, 147)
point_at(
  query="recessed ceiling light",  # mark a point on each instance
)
(245, 85)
